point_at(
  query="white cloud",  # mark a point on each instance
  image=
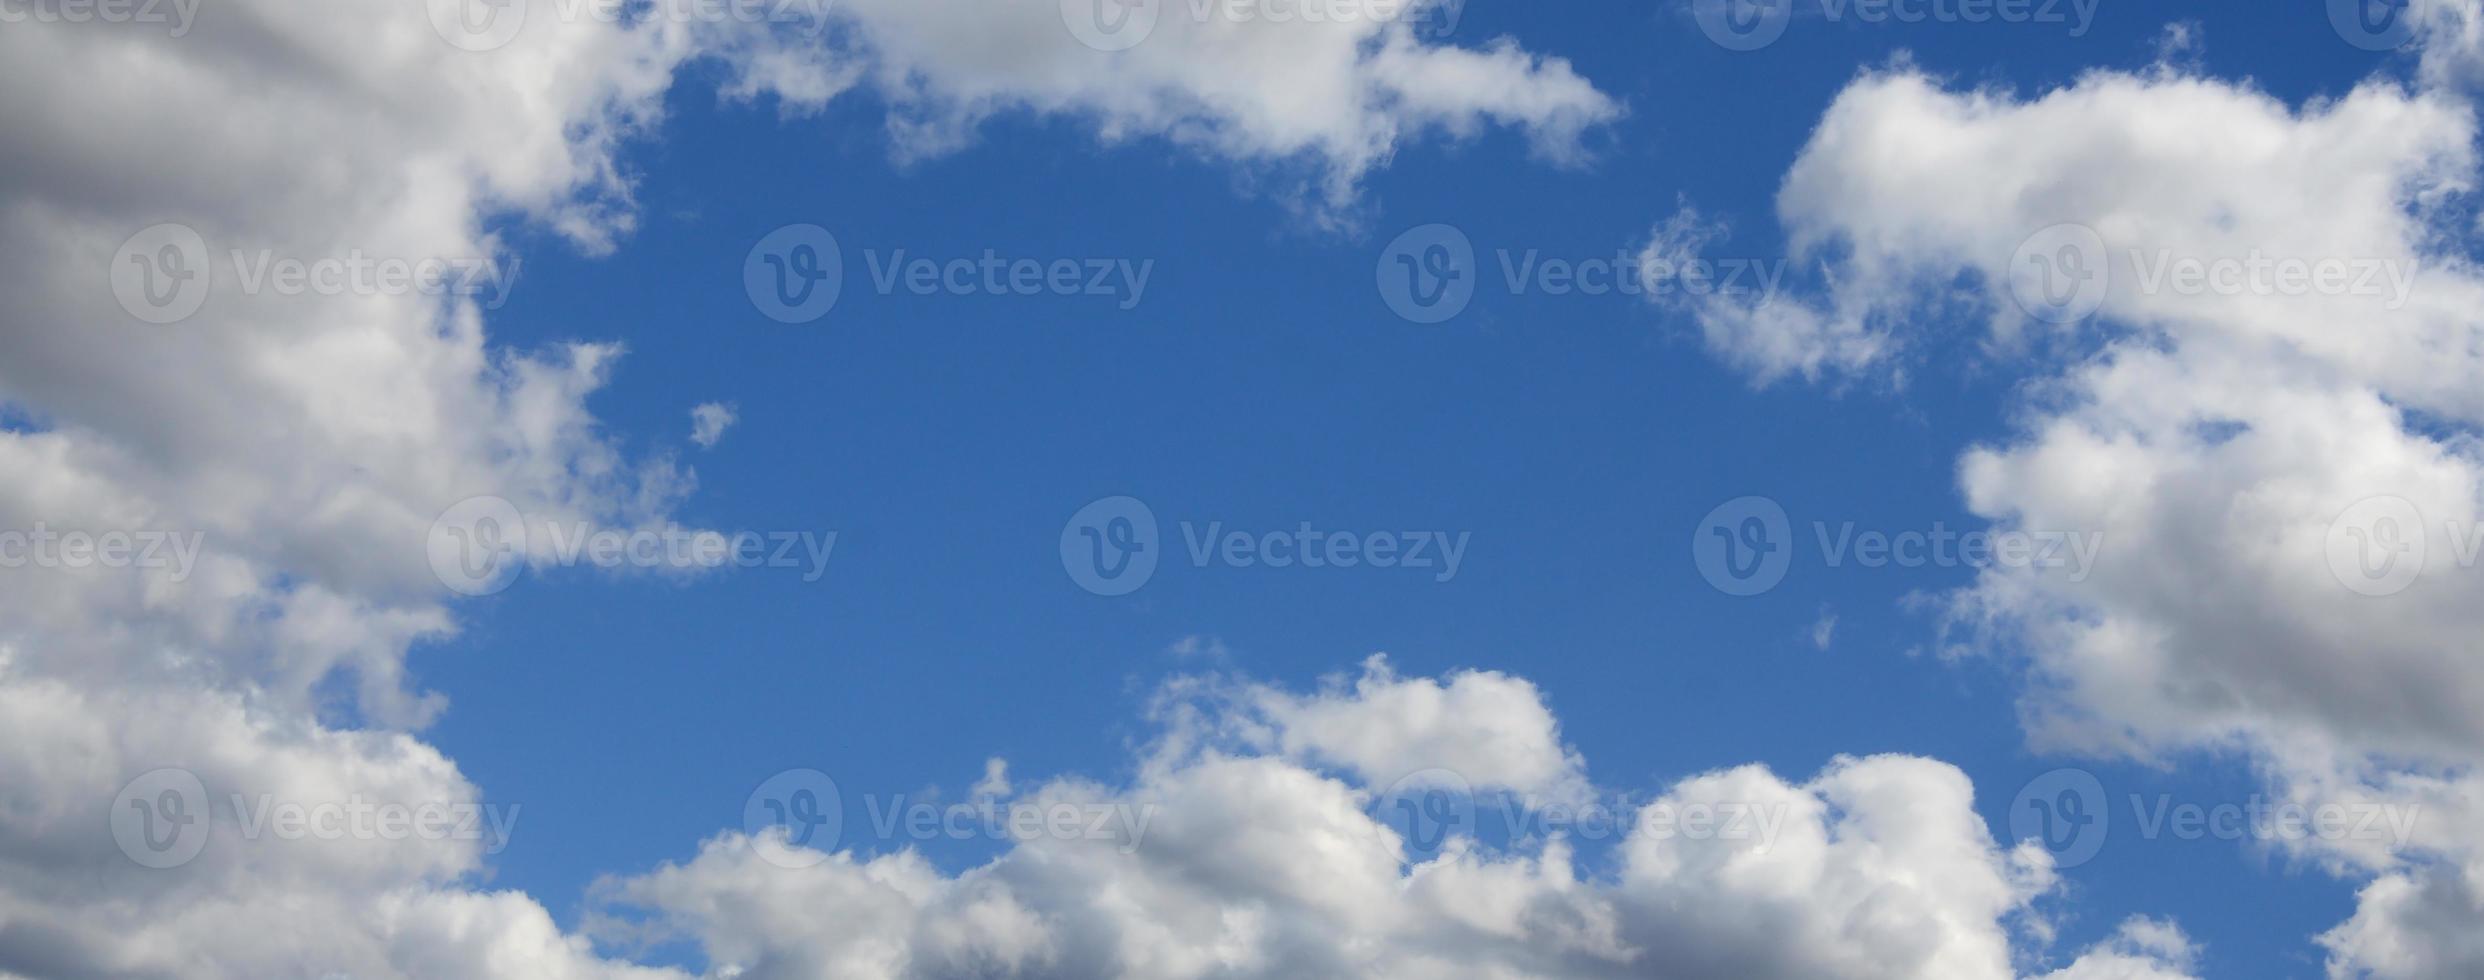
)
(708, 423)
(2450, 35)
(1199, 647)
(1768, 339)
(1254, 863)
(2414, 923)
(1336, 94)
(2142, 949)
(250, 903)
(312, 438)
(1491, 729)
(2215, 437)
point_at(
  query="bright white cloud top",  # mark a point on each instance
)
(2240, 437)
(1251, 860)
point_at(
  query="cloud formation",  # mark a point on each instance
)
(708, 423)
(1256, 861)
(252, 256)
(2261, 370)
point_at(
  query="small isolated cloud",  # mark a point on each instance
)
(1199, 647)
(1825, 631)
(1744, 325)
(708, 423)
(995, 781)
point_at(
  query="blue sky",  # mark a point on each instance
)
(1262, 382)
(1551, 489)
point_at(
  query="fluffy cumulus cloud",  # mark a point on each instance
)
(2260, 358)
(244, 368)
(1482, 728)
(1264, 847)
(1327, 90)
(708, 423)
(245, 903)
(2142, 949)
